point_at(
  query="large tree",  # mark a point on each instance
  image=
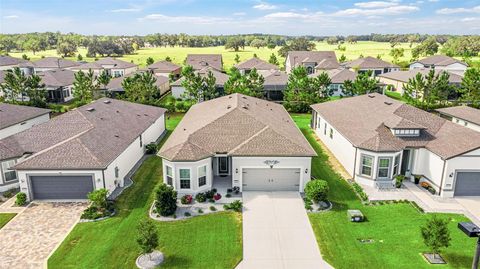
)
(19, 86)
(250, 84)
(303, 91)
(141, 88)
(84, 86)
(235, 43)
(364, 83)
(67, 48)
(428, 47)
(470, 89)
(296, 44)
(198, 88)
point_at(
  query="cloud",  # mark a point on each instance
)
(11, 17)
(264, 6)
(121, 10)
(287, 15)
(376, 4)
(186, 19)
(239, 14)
(448, 11)
(394, 10)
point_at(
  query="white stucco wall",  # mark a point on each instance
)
(19, 127)
(428, 165)
(177, 91)
(467, 124)
(193, 166)
(416, 66)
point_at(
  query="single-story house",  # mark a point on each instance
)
(8, 63)
(376, 66)
(92, 147)
(338, 77)
(50, 63)
(220, 79)
(397, 79)
(115, 84)
(275, 83)
(201, 61)
(260, 65)
(59, 84)
(238, 141)
(113, 67)
(17, 118)
(463, 115)
(441, 62)
(312, 60)
(166, 68)
(376, 138)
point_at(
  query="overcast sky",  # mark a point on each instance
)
(299, 17)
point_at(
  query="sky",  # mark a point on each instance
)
(292, 17)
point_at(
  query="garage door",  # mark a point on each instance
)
(266, 179)
(60, 187)
(467, 184)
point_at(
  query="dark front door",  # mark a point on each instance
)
(405, 162)
(223, 165)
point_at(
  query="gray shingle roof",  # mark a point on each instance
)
(298, 57)
(6, 60)
(13, 114)
(200, 61)
(256, 63)
(81, 139)
(220, 78)
(369, 63)
(238, 125)
(276, 78)
(106, 62)
(54, 62)
(338, 76)
(164, 66)
(57, 77)
(440, 60)
(116, 83)
(404, 76)
(462, 112)
(363, 121)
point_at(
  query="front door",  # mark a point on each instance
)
(405, 162)
(223, 168)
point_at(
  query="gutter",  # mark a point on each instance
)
(103, 176)
(355, 164)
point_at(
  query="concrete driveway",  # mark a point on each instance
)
(277, 233)
(29, 238)
(471, 205)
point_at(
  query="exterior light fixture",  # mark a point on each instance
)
(472, 230)
(306, 171)
(236, 170)
(451, 175)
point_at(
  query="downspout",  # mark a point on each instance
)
(103, 176)
(443, 176)
(355, 164)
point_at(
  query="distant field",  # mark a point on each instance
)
(178, 54)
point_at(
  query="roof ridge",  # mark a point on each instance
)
(249, 139)
(87, 149)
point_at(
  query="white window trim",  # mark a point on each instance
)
(189, 178)
(7, 168)
(362, 165)
(389, 167)
(171, 176)
(397, 172)
(198, 175)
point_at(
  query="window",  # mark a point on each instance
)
(169, 175)
(116, 171)
(141, 142)
(319, 120)
(383, 167)
(396, 164)
(202, 176)
(325, 129)
(184, 178)
(366, 165)
(117, 73)
(466, 123)
(8, 173)
(331, 133)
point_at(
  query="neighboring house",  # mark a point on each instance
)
(220, 79)
(376, 66)
(441, 62)
(92, 147)
(463, 115)
(8, 63)
(50, 63)
(113, 67)
(166, 69)
(201, 61)
(275, 83)
(312, 60)
(115, 84)
(15, 119)
(398, 79)
(59, 84)
(237, 141)
(376, 138)
(261, 66)
(338, 78)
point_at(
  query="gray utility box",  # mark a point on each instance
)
(355, 215)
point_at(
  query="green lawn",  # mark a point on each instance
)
(211, 241)
(394, 227)
(5, 218)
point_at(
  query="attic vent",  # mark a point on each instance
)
(244, 97)
(229, 106)
(116, 135)
(230, 97)
(118, 111)
(107, 102)
(244, 107)
(371, 96)
(388, 103)
(138, 115)
(145, 114)
(90, 109)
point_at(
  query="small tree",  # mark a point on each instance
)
(436, 234)
(104, 79)
(166, 203)
(150, 61)
(237, 58)
(79, 57)
(273, 59)
(147, 237)
(168, 59)
(317, 190)
(98, 198)
(343, 58)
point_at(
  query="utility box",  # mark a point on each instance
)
(469, 228)
(355, 215)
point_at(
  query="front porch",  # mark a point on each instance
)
(223, 184)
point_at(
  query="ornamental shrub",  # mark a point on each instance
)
(235, 206)
(166, 200)
(317, 190)
(200, 197)
(21, 199)
(186, 199)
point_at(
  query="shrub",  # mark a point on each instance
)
(186, 199)
(147, 237)
(212, 208)
(436, 234)
(431, 190)
(217, 196)
(236, 189)
(229, 190)
(151, 148)
(21, 199)
(187, 214)
(399, 180)
(317, 190)
(166, 200)
(91, 212)
(98, 198)
(200, 197)
(211, 200)
(228, 195)
(9, 193)
(200, 211)
(235, 206)
(209, 194)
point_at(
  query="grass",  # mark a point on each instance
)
(210, 241)
(396, 96)
(395, 228)
(5, 218)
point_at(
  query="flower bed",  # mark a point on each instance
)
(93, 213)
(194, 208)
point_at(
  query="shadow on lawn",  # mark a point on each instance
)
(457, 260)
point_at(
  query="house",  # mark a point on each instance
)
(275, 83)
(398, 79)
(261, 66)
(220, 79)
(337, 77)
(462, 115)
(113, 67)
(236, 141)
(8, 63)
(166, 69)
(311, 60)
(366, 64)
(50, 63)
(376, 138)
(200, 61)
(92, 147)
(441, 62)
(115, 84)
(59, 84)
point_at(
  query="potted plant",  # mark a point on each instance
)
(399, 180)
(417, 179)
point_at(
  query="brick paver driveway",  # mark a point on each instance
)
(28, 239)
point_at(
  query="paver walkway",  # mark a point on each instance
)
(29, 238)
(277, 233)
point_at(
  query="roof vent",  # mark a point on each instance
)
(388, 103)
(244, 97)
(116, 135)
(229, 106)
(90, 109)
(107, 102)
(371, 96)
(244, 107)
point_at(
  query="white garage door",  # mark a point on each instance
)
(271, 179)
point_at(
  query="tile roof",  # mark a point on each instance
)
(338, 76)
(6, 60)
(462, 112)
(13, 114)
(363, 120)
(404, 76)
(200, 61)
(298, 57)
(440, 60)
(369, 62)
(57, 77)
(164, 66)
(107, 62)
(89, 137)
(256, 63)
(220, 78)
(237, 125)
(54, 62)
